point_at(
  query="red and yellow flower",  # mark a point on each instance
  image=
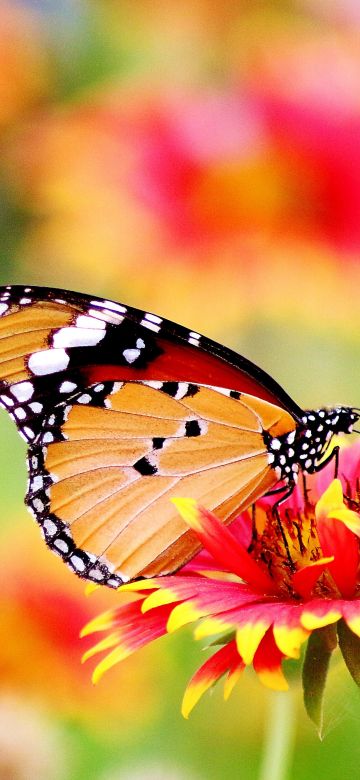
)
(260, 589)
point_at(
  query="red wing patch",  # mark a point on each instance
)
(55, 342)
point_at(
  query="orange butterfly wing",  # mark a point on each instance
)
(115, 465)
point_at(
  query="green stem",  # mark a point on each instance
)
(279, 737)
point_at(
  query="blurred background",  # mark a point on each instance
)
(200, 160)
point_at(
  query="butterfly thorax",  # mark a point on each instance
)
(305, 446)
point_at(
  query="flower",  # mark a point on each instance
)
(260, 589)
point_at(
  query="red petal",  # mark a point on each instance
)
(221, 543)
(304, 580)
(226, 659)
(337, 540)
(267, 663)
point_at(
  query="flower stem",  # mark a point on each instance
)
(279, 737)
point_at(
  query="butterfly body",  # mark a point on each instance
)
(123, 410)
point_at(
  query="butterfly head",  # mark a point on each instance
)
(343, 419)
(348, 417)
(339, 419)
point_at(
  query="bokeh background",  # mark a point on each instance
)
(201, 160)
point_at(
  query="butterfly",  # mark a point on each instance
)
(122, 410)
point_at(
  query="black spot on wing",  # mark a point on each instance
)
(192, 428)
(158, 443)
(170, 388)
(144, 467)
(192, 390)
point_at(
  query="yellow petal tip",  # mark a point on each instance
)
(188, 509)
(91, 587)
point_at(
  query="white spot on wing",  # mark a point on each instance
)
(84, 399)
(96, 574)
(78, 337)
(36, 407)
(275, 444)
(183, 388)
(22, 391)
(20, 413)
(117, 386)
(67, 387)
(38, 504)
(130, 355)
(28, 432)
(153, 318)
(37, 483)
(48, 362)
(222, 390)
(7, 401)
(50, 527)
(155, 383)
(150, 325)
(77, 563)
(3, 308)
(107, 316)
(83, 321)
(110, 305)
(61, 545)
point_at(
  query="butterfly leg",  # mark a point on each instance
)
(275, 510)
(305, 490)
(334, 455)
(276, 491)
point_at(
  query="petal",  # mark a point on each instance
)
(211, 626)
(158, 598)
(91, 587)
(331, 504)
(350, 455)
(139, 585)
(330, 500)
(225, 659)
(319, 613)
(351, 613)
(249, 636)
(110, 660)
(101, 623)
(304, 579)
(231, 680)
(221, 543)
(289, 639)
(267, 663)
(105, 644)
(181, 615)
(337, 540)
(134, 630)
